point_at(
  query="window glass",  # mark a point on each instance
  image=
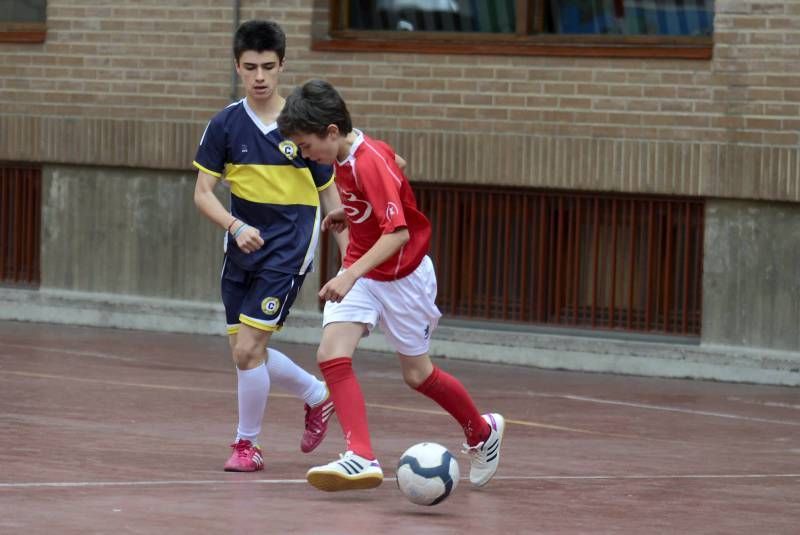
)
(492, 16)
(631, 17)
(22, 10)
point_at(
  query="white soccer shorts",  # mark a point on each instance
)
(405, 308)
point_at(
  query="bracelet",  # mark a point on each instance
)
(232, 222)
(239, 230)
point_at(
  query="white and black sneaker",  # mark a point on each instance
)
(486, 455)
(350, 472)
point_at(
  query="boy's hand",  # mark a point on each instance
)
(249, 240)
(336, 288)
(336, 220)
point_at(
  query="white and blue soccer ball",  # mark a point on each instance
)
(427, 473)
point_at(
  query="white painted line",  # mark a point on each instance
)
(70, 352)
(89, 484)
(667, 409)
(133, 385)
(766, 403)
(200, 482)
(654, 477)
(279, 395)
(98, 355)
(118, 383)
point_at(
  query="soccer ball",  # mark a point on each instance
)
(427, 473)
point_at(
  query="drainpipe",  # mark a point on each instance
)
(237, 5)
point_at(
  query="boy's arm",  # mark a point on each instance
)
(386, 246)
(330, 201)
(248, 238)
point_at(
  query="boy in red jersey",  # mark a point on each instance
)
(387, 279)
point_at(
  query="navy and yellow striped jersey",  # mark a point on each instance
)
(273, 188)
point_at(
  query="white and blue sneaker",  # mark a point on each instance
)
(350, 472)
(486, 455)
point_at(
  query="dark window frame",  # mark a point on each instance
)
(522, 43)
(18, 32)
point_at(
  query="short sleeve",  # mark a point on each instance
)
(322, 174)
(380, 182)
(210, 157)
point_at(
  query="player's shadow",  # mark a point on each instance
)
(347, 497)
(427, 512)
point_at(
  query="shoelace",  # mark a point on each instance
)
(316, 419)
(242, 448)
(315, 428)
(476, 452)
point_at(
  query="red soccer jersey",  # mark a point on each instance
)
(378, 200)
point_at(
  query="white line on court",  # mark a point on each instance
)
(123, 383)
(654, 477)
(233, 392)
(664, 408)
(92, 354)
(765, 403)
(564, 396)
(200, 482)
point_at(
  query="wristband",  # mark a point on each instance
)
(239, 230)
(232, 222)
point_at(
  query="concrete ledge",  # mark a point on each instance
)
(580, 353)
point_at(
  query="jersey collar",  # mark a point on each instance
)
(265, 128)
(357, 143)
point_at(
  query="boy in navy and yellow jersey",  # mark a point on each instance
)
(272, 231)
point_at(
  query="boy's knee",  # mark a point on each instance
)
(323, 354)
(413, 378)
(247, 357)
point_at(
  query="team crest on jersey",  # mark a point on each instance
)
(288, 148)
(391, 210)
(271, 305)
(354, 207)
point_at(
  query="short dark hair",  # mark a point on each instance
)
(259, 35)
(311, 108)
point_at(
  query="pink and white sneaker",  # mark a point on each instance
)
(316, 424)
(246, 457)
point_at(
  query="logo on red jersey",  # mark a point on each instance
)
(391, 210)
(359, 211)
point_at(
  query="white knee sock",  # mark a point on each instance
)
(253, 392)
(291, 377)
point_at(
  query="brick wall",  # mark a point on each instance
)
(133, 84)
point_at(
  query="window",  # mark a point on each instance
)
(23, 21)
(630, 28)
(566, 259)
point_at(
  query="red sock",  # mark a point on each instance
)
(451, 395)
(349, 403)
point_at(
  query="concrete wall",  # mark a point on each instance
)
(126, 231)
(132, 232)
(138, 233)
(751, 278)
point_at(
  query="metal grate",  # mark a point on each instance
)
(580, 260)
(20, 224)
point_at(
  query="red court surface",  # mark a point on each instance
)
(111, 431)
